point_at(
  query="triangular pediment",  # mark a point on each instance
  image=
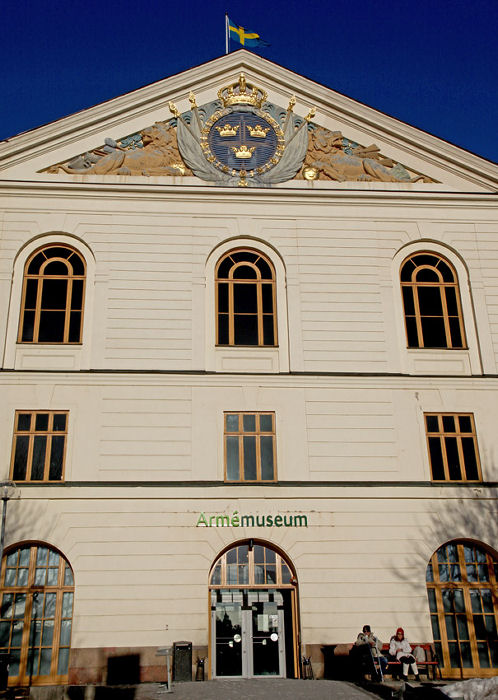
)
(158, 133)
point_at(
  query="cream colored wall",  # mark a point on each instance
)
(170, 428)
(141, 565)
(147, 302)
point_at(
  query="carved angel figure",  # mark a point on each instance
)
(326, 154)
(159, 156)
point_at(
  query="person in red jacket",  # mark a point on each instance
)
(401, 649)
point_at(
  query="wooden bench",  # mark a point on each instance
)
(430, 665)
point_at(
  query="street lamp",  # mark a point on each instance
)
(7, 491)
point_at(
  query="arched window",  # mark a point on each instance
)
(36, 614)
(251, 565)
(245, 299)
(462, 586)
(52, 297)
(431, 300)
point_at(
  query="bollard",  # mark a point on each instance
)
(199, 673)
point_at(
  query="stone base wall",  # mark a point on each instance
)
(123, 665)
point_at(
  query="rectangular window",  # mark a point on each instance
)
(452, 444)
(39, 446)
(250, 447)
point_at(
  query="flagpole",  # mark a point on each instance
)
(226, 34)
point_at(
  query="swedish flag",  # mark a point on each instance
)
(243, 36)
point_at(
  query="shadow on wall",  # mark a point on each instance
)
(123, 674)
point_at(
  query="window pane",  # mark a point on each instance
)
(436, 633)
(56, 457)
(456, 334)
(232, 447)
(458, 598)
(411, 332)
(431, 423)
(454, 655)
(268, 330)
(487, 600)
(271, 573)
(77, 295)
(465, 424)
(45, 659)
(28, 326)
(479, 627)
(60, 421)
(63, 662)
(76, 264)
(74, 327)
(436, 458)
(482, 651)
(408, 304)
(450, 626)
(463, 631)
(24, 421)
(35, 264)
(223, 297)
(42, 556)
(249, 458)
(68, 577)
(466, 655)
(245, 330)
(56, 267)
(54, 294)
(222, 329)
(38, 463)
(266, 423)
(429, 574)
(469, 455)
(453, 459)
(51, 327)
(245, 272)
(429, 299)
(249, 423)
(20, 458)
(265, 269)
(231, 422)
(245, 298)
(65, 632)
(48, 633)
(41, 421)
(267, 292)
(451, 302)
(433, 333)
(224, 268)
(31, 291)
(449, 424)
(267, 457)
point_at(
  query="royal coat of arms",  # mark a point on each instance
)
(241, 143)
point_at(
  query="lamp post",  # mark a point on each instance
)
(7, 491)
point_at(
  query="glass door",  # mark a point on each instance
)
(227, 631)
(267, 633)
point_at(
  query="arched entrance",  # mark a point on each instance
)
(37, 590)
(253, 603)
(462, 586)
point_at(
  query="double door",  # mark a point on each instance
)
(247, 633)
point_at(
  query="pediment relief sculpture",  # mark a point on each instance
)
(330, 156)
(153, 151)
(240, 139)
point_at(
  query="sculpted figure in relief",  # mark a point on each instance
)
(326, 155)
(159, 156)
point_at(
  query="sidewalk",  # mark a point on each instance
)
(260, 689)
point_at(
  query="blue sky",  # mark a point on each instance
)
(430, 63)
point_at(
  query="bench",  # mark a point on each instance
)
(430, 665)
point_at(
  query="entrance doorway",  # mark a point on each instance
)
(253, 614)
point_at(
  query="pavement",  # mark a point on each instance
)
(263, 689)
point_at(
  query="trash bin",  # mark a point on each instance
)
(182, 661)
(4, 670)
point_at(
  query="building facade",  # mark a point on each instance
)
(249, 379)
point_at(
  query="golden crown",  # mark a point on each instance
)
(242, 93)
(227, 130)
(243, 151)
(257, 131)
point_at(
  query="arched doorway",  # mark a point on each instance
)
(253, 604)
(462, 586)
(37, 590)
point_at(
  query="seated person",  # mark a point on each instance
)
(401, 649)
(367, 640)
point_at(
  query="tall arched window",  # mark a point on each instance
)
(52, 298)
(462, 586)
(36, 614)
(431, 300)
(245, 299)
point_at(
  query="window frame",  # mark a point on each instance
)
(240, 433)
(40, 277)
(31, 434)
(442, 285)
(259, 282)
(29, 590)
(458, 435)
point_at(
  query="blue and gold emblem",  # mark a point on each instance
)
(249, 141)
(241, 143)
